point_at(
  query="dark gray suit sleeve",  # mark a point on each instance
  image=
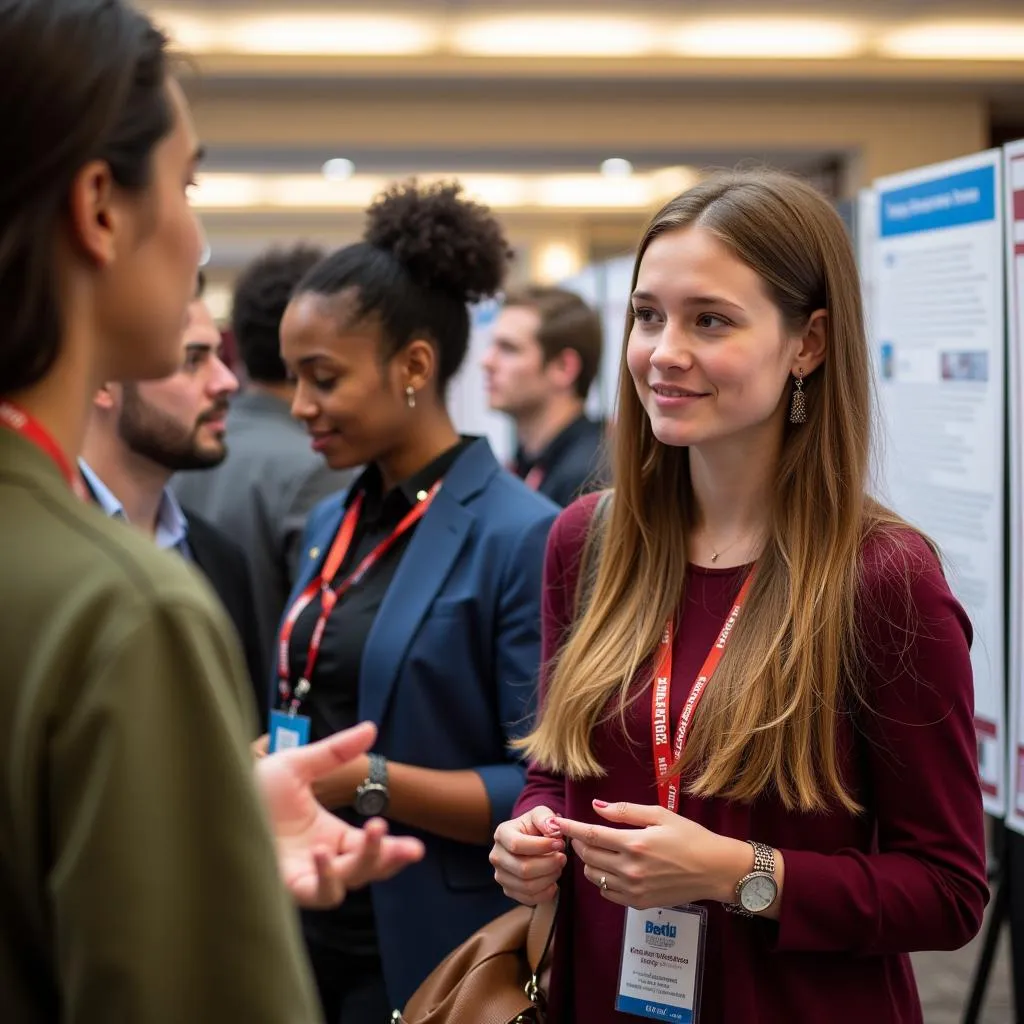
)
(312, 489)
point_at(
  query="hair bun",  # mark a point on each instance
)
(444, 241)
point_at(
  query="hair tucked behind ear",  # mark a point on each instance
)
(771, 718)
(83, 80)
(427, 253)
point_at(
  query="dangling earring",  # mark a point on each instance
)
(410, 396)
(798, 405)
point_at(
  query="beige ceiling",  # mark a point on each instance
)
(271, 119)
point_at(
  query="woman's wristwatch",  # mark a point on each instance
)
(372, 795)
(758, 890)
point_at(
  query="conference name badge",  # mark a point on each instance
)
(287, 731)
(662, 963)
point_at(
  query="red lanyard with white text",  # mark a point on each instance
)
(13, 417)
(330, 595)
(661, 700)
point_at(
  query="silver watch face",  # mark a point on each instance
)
(372, 799)
(758, 893)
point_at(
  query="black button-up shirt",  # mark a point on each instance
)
(333, 700)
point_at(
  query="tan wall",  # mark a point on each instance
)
(886, 132)
(875, 131)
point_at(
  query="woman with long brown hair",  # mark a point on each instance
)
(757, 716)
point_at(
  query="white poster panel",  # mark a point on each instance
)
(467, 393)
(1014, 174)
(618, 280)
(605, 286)
(938, 343)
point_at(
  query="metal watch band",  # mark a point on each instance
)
(764, 857)
(378, 770)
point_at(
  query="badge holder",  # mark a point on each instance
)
(662, 965)
(287, 731)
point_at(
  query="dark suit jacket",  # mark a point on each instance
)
(449, 675)
(224, 564)
(572, 464)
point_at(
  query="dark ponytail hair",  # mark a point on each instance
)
(83, 80)
(427, 254)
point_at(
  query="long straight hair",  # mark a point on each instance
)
(771, 718)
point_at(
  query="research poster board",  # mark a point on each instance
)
(618, 283)
(1014, 175)
(606, 286)
(467, 393)
(938, 342)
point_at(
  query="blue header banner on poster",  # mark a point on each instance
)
(952, 201)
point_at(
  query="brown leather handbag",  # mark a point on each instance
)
(499, 975)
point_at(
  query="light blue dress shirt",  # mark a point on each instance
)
(171, 524)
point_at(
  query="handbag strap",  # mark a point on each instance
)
(539, 936)
(540, 932)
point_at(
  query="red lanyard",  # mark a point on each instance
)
(534, 478)
(330, 595)
(661, 700)
(13, 417)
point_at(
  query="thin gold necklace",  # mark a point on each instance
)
(717, 553)
(722, 551)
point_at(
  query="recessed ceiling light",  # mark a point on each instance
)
(616, 167)
(956, 40)
(339, 168)
(768, 38)
(555, 35)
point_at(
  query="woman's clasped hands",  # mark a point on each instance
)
(528, 857)
(646, 857)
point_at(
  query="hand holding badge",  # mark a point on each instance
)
(659, 869)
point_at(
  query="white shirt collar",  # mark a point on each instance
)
(171, 524)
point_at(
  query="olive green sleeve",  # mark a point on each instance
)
(165, 894)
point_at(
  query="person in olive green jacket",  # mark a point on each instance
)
(139, 880)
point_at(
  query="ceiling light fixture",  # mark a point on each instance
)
(191, 33)
(955, 40)
(237, 192)
(616, 167)
(303, 34)
(555, 35)
(767, 38)
(338, 168)
(554, 261)
(368, 35)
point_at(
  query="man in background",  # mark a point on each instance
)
(140, 434)
(543, 358)
(262, 493)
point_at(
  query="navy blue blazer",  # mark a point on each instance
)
(449, 676)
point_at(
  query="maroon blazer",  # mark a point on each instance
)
(861, 892)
